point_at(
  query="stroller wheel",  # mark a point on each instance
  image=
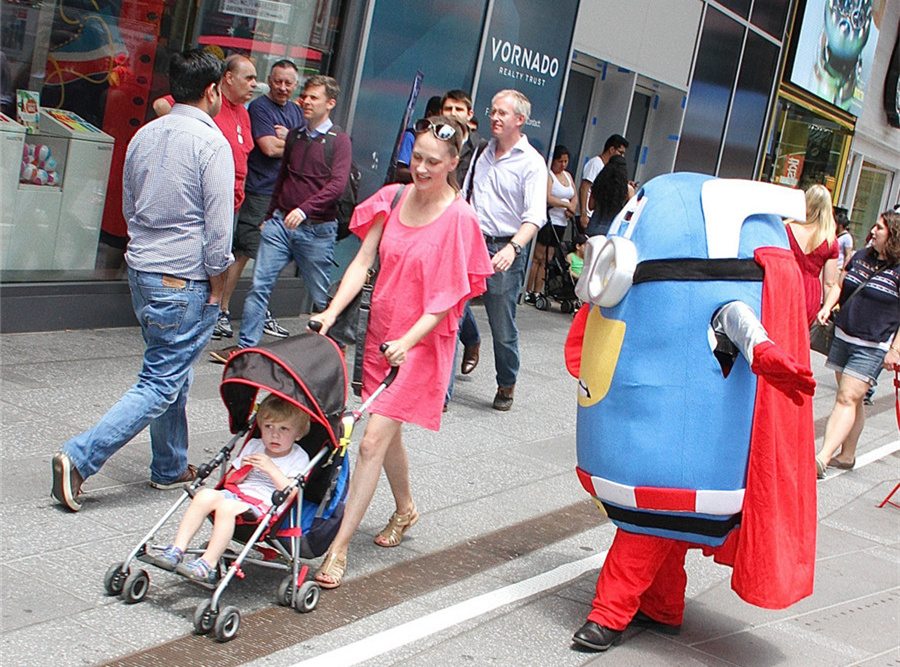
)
(286, 591)
(135, 587)
(114, 579)
(204, 618)
(227, 624)
(566, 307)
(308, 597)
(541, 302)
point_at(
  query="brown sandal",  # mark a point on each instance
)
(392, 534)
(331, 573)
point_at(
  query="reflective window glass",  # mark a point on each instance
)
(714, 74)
(748, 111)
(770, 15)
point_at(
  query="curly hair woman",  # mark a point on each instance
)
(865, 337)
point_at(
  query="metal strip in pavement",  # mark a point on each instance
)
(275, 628)
(424, 626)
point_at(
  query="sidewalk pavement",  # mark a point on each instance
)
(485, 471)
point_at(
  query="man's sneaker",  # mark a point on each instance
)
(504, 399)
(223, 326)
(67, 482)
(272, 327)
(198, 570)
(168, 559)
(530, 298)
(184, 479)
(222, 356)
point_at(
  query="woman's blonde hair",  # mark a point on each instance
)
(820, 213)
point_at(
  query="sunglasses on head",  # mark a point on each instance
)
(442, 131)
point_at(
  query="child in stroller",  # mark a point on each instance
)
(264, 465)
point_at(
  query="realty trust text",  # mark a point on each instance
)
(536, 66)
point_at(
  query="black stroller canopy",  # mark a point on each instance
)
(307, 370)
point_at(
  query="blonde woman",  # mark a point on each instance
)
(815, 247)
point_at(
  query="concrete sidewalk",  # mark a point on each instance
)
(485, 471)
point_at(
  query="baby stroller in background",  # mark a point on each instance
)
(309, 371)
(559, 285)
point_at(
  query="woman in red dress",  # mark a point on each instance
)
(432, 261)
(815, 247)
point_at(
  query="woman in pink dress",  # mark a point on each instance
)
(815, 247)
(432, 260)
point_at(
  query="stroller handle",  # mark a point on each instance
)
(314, 325)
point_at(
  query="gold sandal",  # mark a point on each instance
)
(392, 534)
(331, 573)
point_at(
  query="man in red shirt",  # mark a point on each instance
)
(238, 85)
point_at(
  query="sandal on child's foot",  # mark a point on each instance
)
(392, 535)
(331, 573)
(167, 559)
(198, 570)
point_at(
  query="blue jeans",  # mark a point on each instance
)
(176, 324)
(500, 306)
(312, 249)
(468, 335)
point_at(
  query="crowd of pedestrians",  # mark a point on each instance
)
(213, 183)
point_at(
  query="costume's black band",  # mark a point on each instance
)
(697, 269)
(679, 524)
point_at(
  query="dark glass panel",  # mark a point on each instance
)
(770, 15)
(748, 112)
(740, 7)
(714, 74)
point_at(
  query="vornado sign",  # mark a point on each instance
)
(527, 47)
(529, 60)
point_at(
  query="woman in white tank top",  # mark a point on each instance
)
(562, 204)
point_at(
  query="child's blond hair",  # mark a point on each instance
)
(274, 408)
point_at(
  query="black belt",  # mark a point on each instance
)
(309, 221)
(497, 239)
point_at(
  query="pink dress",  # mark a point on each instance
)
(426, 269)
(811, 270)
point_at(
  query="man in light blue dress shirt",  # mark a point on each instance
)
(178, 199)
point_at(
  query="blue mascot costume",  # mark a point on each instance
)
(695, 420)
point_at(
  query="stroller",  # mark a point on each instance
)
(559, 285)
(308, 370)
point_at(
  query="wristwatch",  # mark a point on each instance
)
(516, 247)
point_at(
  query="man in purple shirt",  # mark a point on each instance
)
(302, 220)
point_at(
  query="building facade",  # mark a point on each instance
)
(695, 85)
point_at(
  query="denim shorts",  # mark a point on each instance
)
(862, 363)
(255, 511)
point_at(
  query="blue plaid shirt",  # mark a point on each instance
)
(178, 196)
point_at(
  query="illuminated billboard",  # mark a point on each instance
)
(834, 49)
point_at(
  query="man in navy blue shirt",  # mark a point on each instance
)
(272, 116)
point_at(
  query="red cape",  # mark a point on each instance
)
(773, 552)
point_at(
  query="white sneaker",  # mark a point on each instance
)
(272, 327)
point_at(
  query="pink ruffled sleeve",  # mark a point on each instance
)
(461, 270)
(365, 213)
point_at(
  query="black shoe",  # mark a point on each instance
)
(643, 621)
(504, 399)
(67, 482)
(596, 637)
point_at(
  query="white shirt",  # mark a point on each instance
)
(257, 483)
(509, 190)
(591, 169)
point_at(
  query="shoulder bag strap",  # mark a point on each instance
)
(472, 173)
(365, 305)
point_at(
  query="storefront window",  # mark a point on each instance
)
(104, 62)
(869, 201)
(806, 148)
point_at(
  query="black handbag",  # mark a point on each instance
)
(821, 335)
(351, 325)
